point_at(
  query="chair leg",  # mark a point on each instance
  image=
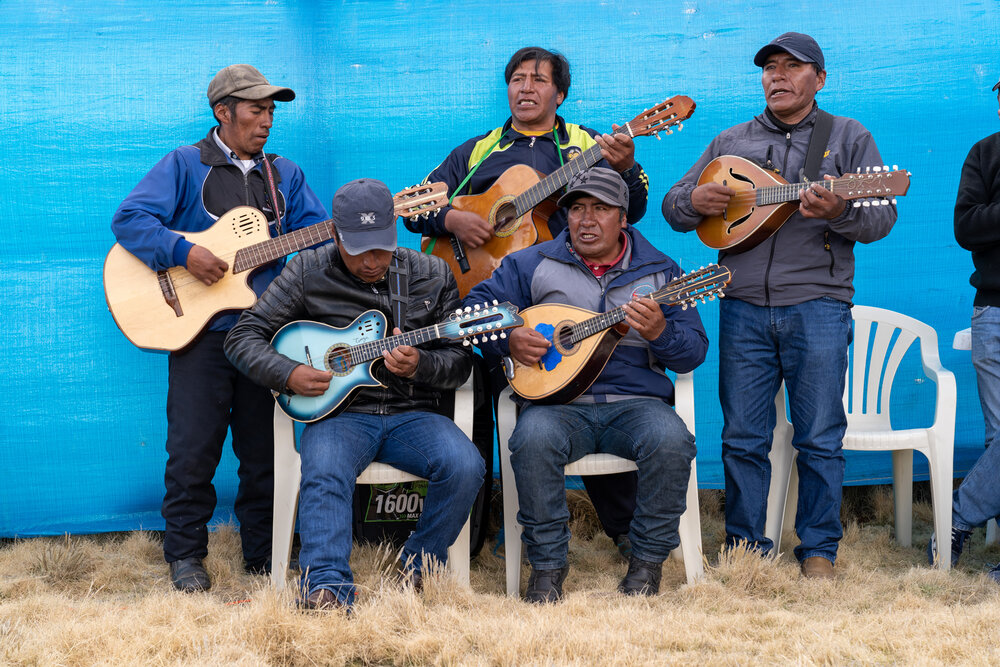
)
(506, 416)
(287, 475)
(458, 555)
(942, 467)
(902, 494)
(689, 531)
(992, 536)
(783, 494)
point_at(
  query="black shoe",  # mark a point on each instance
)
(409, 577)
(189, 575)
(958, 538)
(642, 578)
(624, 545)
(545, 585)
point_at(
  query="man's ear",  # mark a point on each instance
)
(222, 113)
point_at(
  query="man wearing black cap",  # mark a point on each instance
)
(977, 228)
(397, 423)
(600, 263)
(187, 191)
(787, 312)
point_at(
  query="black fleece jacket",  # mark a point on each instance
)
(977, 217)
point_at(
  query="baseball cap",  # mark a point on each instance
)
(363, 216)
(246, 83)
(996, 86)
(802, 47)
(601, 182)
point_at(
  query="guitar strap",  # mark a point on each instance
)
(817, 145)
(273, 190)
(399, 290)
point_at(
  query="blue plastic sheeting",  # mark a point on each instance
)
(95, 93)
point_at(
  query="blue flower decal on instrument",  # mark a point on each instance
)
(552, 357)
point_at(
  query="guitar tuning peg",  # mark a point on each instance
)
(885, 167)
(458, 312)
(657, 135)
(495, 302)
(876, 169)
(493, 337)
(859, 170)
(468, 309)
(684, 306)
(868, 170)
(466, 343)
(857, 204)
(895, 167)
(503, 334)
(866, 203)
(476, 307)
(893, 200)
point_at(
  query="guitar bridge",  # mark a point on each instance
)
(169, 294)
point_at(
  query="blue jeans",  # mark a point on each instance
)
(977, 499)
(806, 345)
(336, 450)
(644, 430)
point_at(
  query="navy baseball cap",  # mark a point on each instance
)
(601, 182)
(996, 86)
(801, 47)
(363, 216)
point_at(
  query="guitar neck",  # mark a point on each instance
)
(546, 187)
(372, 350)
(846, 187)
(587, 328)
(258, 254)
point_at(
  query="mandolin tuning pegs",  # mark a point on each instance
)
(476, 307)
(895, 167)
(857, 204)
(465, 343)
(684, 306)
(885, 167)
(859, 170)
(680, 126)
(893, 200)
(493, 337)
(876, 169)
(866, 203)
(458, 312)
(468, 309)
(495, 302)
(503, 334)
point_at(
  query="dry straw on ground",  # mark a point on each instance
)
(106, 600)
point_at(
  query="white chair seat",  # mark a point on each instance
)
(874, 357)
(689, 530)
(288, 475)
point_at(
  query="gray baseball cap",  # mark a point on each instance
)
(246, 83)
(601, 182)
(801, 47)
(364, 217)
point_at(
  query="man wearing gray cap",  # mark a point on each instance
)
(600, 263)
(396, 423)
(787, 312)
(186, 192)
(977, 228)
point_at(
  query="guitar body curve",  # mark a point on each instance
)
(744, 225)
(511, 232)
(137, 296)
(323, 347)
(564, 372)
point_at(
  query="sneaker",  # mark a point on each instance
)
(958, 538)
(624, 545)
(545, 585)
(994, 573)
(642, 578)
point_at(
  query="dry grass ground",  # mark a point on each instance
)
(107, 600)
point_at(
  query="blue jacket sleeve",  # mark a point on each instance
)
(509, 282)
(683, 344)
(141, 222)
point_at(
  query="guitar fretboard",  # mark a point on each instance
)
(372, 350)
(258, 254)
(848, 187)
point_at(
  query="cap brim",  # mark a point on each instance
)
(357, 243)
(996, 86)
(573, 195)
(263, 90)
(771, 49)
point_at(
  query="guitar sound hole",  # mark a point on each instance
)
(506, 218)
(563, 338)
(338, 360)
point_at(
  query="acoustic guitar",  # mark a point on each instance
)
(518, 206)
(349, 352)
(764, 200)
(167, 310)
(582, 341)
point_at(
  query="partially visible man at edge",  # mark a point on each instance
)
(187, 191)
(538, 82)
(787, 311)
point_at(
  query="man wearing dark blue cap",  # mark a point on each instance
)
(396, 423)
(977, 228)
(600, 263)
(787, 315)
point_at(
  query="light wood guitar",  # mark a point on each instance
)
(582, 341)
(764, 200)
(349, 352)
(518, 204)
(167, 310)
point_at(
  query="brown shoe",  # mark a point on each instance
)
(322, 599)
(817, 567)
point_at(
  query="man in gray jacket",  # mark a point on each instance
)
(787, 312)
(396, 423)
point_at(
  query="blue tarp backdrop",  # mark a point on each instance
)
(94, 93)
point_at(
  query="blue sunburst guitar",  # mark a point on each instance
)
(349, 352)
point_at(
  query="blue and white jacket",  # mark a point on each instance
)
(551, 273)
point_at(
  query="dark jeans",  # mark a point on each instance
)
(207, 396)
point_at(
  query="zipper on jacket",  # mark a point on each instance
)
(774, 240)
(246, 190)
(828, 248)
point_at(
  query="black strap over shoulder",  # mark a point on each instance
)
(817, 145)
(399, 290)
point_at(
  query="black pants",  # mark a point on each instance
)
(206, 397)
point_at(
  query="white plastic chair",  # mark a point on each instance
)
(963, 341)
(597, 464)
(288, 474)
(867, 392)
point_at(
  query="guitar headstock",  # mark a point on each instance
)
(420, 200)
(705, 283)
(485, 322)
(876, 185)
(662, 117)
